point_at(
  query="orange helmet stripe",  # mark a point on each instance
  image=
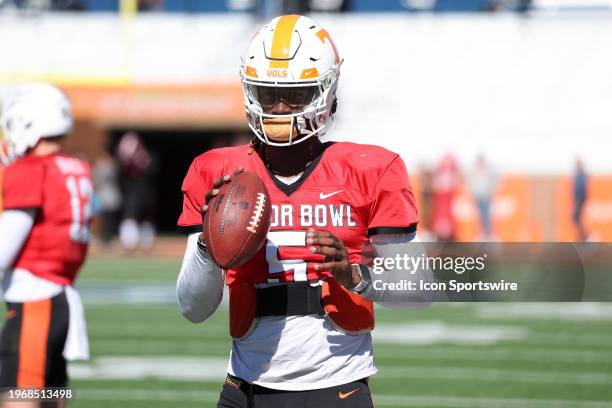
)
(281, 42)
(323, 34)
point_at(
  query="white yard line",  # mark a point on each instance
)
(140, 368)
(535, 355)
(497, 375)
(437, 331)
(570, 339)
(586, 311)
(214, 368)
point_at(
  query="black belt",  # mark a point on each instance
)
(253, 389)
(291, 299)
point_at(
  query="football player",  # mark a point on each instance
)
(44, 235)
(301, 309)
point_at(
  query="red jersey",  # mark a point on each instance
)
(350, 190)
(61, 190)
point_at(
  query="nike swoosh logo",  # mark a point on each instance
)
(324, 196)
(343, 395)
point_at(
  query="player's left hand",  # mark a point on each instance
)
(336, 259)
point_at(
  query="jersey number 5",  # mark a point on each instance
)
(81, 192)
(279, 268)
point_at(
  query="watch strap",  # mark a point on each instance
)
(366, 279)
(201, 244)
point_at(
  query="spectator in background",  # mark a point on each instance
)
(482, 183)
(67, 5)
(105, 174)
(44, 5)
(150, 5)
(426, 187)
(271, 8)
(520, 6)
(446, 180)
(524, 6)
(494, 5)
(580, 193)
(138, 169)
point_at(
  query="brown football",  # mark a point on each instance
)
(237, 220)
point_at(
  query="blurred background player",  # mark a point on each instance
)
(329, 200)
(580, 195)
(426, 184)
(138, 170)
(44, 235)
(482, 182)
(108, 201)
(446, 179)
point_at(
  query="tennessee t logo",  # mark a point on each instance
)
(322, 34)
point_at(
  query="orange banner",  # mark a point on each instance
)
(532, 209)
(214, 105)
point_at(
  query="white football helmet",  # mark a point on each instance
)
(32, 112)
(294, 61)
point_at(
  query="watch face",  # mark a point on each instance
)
(365, 279)
(202, 245)
(361, 287)
(366, 276)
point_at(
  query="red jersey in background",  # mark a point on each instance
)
(60, 189)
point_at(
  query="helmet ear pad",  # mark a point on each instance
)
(334, 105)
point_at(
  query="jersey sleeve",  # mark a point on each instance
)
(22, 186)
(194, 190)
(393, 208)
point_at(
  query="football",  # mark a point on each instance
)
(237, 221)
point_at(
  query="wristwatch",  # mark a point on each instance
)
(201, 244)
(366, 278)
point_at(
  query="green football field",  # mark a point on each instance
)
(145, 354)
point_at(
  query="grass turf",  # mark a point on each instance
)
(554, 362)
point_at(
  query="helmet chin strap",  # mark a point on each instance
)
(5, 156)
(290, 160)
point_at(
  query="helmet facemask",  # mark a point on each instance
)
(309, 105)
(289, 77)
(11, 149)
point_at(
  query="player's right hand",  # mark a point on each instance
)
(216, 186)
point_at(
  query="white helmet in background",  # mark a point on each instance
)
(32, 112)
(294, 61)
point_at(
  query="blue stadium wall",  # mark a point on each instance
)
(203, 6)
